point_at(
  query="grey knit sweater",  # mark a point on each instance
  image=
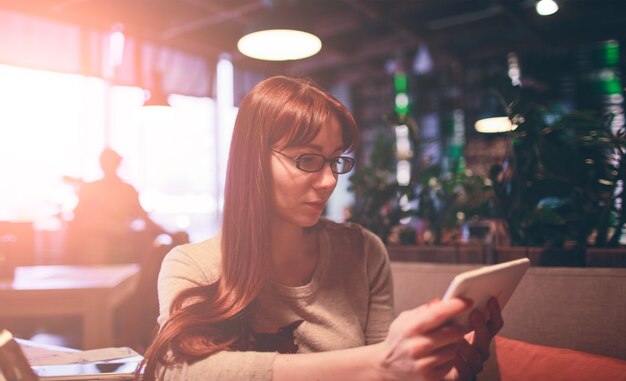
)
(348, 302)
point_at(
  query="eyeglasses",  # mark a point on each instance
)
(314, 162)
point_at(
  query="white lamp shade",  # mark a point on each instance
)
(279, 45)
(546, 7)
(494, 125)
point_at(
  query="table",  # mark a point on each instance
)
(91, 292)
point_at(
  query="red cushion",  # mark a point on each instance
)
(518, 360)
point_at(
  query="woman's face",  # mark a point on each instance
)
(299, 197)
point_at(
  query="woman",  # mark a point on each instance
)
(280, 280)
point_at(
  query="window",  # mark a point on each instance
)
(171, 158)
(53, 127)
(48, 125)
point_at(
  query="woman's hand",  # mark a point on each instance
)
(474, 350)
(421, 345)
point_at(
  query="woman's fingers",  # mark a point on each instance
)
(495, 322)
(430, 343)
(434, 315)
(471, 356)
(481, 336)
(440, 371)
(423, 344)
(473, 352)
(439, 363)
(462, 369)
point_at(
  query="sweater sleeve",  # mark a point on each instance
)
(224, 366)
(380, 314)
(181, 270)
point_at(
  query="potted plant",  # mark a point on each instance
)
(376, 190)
(445, 201)
(435, 205)
(559, 189)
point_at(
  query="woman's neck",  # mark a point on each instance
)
(294, 254)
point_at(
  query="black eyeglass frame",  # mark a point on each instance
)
(298, 160)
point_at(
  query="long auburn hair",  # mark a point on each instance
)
(210, 318)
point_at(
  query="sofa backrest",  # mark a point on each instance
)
(578, 308)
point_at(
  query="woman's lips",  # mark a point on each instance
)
(316, 206)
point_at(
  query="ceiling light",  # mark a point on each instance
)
(156, 108)
(156, 111)
(546, 7)
(497, 115)
(423, 62)
(279, 33)
(156, 97)
(279, 44)
(494, 125)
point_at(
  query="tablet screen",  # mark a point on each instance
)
(120, 369)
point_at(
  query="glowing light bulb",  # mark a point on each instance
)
(546, 7)
(279, 45)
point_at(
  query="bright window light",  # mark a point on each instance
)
(53, 127)
(226, 114)
(116, 48)
(170, 161)
(48, 125)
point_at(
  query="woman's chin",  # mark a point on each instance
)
(302, 221)
(309, 221)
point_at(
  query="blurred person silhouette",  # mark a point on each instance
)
(109, 224)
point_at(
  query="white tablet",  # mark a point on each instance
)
(481, 284)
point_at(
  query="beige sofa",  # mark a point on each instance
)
(582, 309)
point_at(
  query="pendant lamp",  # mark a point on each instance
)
(546, 7)
(156, 97)
(494, 124)
(494, 118)
(277, 35)
(156, 109)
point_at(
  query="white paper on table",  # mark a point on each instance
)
(44, 356)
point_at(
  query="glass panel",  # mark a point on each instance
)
(170, 158)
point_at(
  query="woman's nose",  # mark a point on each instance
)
(326, 178)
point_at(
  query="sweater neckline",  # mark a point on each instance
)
(309, 288)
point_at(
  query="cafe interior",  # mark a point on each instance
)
(491, 130)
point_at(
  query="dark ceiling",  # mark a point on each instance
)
(359, 36)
